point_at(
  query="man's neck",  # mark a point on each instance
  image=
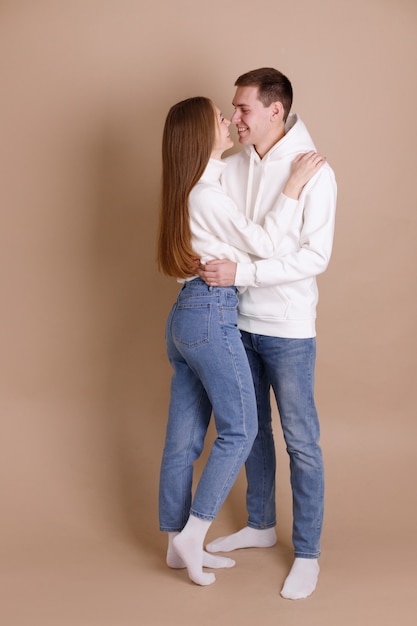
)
(263, 148)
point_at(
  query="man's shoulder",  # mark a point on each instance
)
(327, 173)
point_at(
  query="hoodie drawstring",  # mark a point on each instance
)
(250, 186)
(253, 214)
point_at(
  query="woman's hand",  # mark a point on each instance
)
(303, 168)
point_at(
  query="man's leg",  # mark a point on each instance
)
(290, 365)
(302, 579)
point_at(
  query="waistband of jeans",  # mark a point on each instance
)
(199, 283)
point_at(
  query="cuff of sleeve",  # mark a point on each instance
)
(245, 275)
(293, 202)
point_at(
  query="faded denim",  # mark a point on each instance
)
(211, 372)
(288, 366)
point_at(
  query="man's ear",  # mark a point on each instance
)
(277, 111)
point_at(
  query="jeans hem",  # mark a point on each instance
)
(306, 555)
(207, 518)
(261, 526)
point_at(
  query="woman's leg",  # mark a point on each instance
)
(205, 334)
(225, 373)
(212, 561)
(188, 419)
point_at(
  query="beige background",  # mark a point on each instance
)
(85, 87)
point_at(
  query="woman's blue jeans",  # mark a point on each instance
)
(211, 373)
(288, 366)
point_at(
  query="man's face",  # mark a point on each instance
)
(253, 120)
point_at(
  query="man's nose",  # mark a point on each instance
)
(235, 117)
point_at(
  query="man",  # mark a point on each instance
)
(277, 313)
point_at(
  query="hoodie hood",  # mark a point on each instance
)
(281, 293)
(296, 139)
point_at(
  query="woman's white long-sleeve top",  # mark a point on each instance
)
(220, 230)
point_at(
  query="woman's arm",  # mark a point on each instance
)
(309, 259)
(214, 212)
(222, 272)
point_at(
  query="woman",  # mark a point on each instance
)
(199, 222)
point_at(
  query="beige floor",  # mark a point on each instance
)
(104, 582)
(95, 574)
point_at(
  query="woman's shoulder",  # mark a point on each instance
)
(207, 196)
(205, 190)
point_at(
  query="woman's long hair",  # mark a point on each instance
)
(187, 144)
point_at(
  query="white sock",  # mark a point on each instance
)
(302, 579)
(245, 538)
(188, 544)
(209, 560)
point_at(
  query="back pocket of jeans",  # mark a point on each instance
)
(191, 324)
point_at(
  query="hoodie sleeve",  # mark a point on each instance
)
(215, 213)
(312, 252)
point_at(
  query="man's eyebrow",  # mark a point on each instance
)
(239, 104)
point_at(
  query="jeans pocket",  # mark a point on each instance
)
(191, 324)
(228, 310)
(230, 300)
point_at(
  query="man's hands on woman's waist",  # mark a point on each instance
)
(218, 272)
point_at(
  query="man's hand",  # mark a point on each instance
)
(218, 273)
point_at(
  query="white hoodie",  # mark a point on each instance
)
(221, 231)
(282, 295)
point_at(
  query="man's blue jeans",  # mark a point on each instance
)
(211, 371)
(288, 366)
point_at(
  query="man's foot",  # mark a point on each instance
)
(302, 579)
(245, 538)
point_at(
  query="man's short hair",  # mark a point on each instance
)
(273, 86)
